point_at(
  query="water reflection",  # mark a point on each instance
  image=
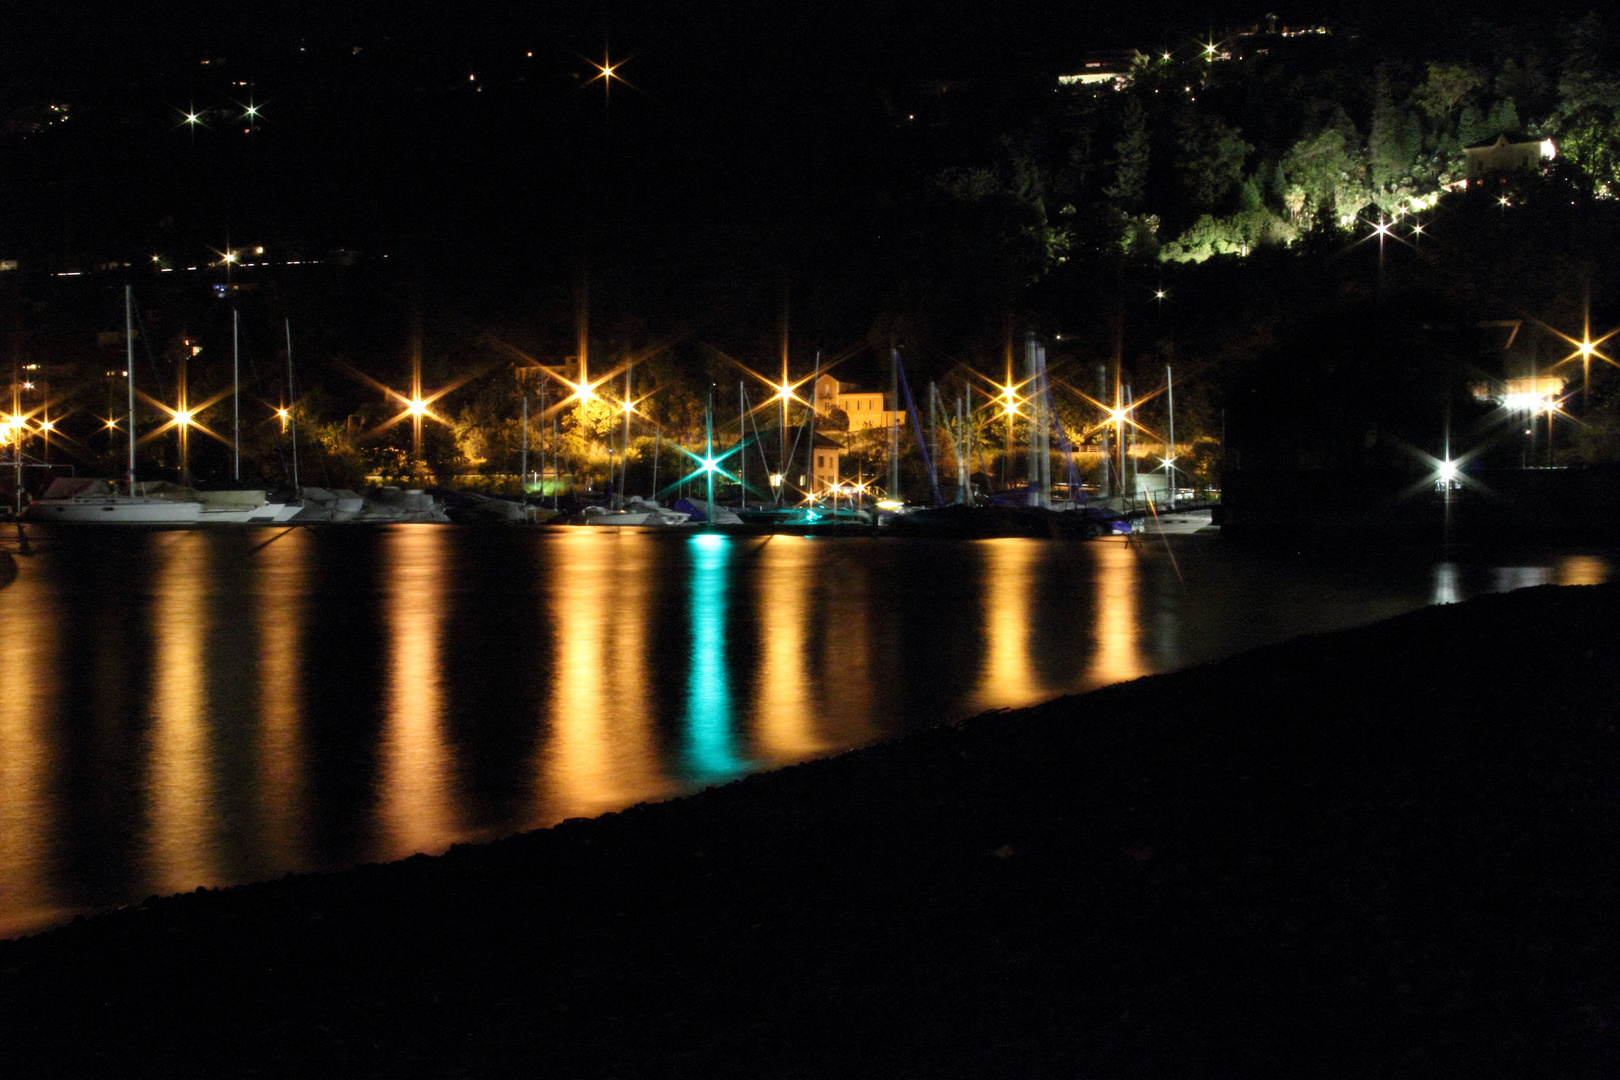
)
(182, 848)
(600, 753)
(786, 712)
(186, 708)
(711, 737)
(1118, 654)
(1582, 570)
(28, 665)
(843, 642)
(279, 611)
(1508, 578)
(416, 810)
(1007, 677)
(1445, 584)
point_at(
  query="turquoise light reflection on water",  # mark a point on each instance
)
(711, 740)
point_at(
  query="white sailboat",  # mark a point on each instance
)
(99, 502)
(637, 511)
(83, 501)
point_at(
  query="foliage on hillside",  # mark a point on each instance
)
(1197, 156)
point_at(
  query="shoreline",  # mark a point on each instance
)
(1382, 851)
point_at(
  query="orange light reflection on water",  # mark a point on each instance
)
(599, 753)
(182, 849)
(1582, 570)
(416, 806)
(786, 725)
(1118, 656)
(283, 564)
(1007, 677)
(28, 657)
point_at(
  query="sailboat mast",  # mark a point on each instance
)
(129, 375)
(292, 412)
(1170, 461)
(815, 407)
(961, 454)
(1032, 449)
(894, 425)
(624, 486)
(708, 455)
(236, 393)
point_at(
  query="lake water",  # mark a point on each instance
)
(184, 708)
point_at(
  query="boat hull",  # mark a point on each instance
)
(113, 510)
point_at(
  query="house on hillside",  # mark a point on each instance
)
(1116, 67)
(865, 408)
(1501, 157)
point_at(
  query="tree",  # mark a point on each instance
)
(1130, 161)
(1587, 120)
(1504, 118)
(1210, 159)
(1446, 89)
(1005, 226)
(1326, 169)
(1394, 139)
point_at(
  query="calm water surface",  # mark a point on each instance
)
(193, 708)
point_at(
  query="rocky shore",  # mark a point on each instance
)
(1390, 851)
